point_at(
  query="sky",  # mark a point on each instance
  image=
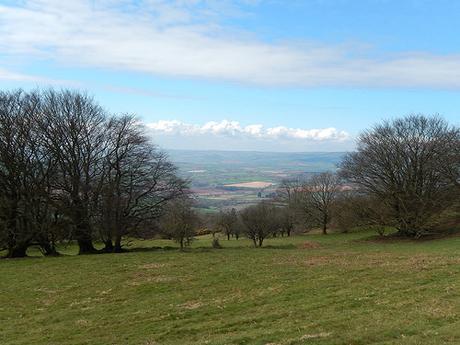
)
(264, 75)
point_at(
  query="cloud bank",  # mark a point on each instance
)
(234, 129)
(185, 39)
(9, 75)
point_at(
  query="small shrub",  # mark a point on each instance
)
(216, 243)
(380, 230)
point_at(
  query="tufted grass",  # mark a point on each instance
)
(307, 289)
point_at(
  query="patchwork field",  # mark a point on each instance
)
(308, 289)
(233, 179)
(254, 184)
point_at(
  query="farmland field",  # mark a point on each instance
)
(307, 289)
(235, 179)
(254, 184)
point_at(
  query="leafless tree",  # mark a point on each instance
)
(287, 218)
(67, 171)
(354, 209)
(290, 195)
(73, 127)
(411, 165)
(290, 191)
(26, 169)
(259, 221)
(180, 222)
(16, 166)
(227, 221)
(317, 198)
(138, 181)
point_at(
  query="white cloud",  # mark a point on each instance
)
(234, 129)
(183, 38)
(14, 76)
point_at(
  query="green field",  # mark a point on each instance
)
(308, 289)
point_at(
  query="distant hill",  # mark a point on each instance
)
(287, 161)
(220, 179)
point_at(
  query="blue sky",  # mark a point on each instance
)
(247, 75)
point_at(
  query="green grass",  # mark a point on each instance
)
(342, 291)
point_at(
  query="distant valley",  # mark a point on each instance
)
(226, 179)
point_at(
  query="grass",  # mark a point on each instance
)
(309, 289)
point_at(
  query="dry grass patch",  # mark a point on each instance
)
(153, 265)
(317, 335)
(309, 245)
(190, 305)
(414, 262)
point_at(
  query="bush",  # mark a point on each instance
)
(216, 243)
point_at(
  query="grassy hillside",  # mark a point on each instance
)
(309, 289)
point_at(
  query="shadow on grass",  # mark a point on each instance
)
(200, 249)
(421, 238)
(206, 249)
(283, 246)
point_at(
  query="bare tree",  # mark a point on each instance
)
(180, 222)
(260, 221)
(26, 170)
(318, 195)
(356, 209)
(69, 172)
(16, 166)
(227, 221)
(287, 217)
(290, 191)
(411, 166)
(74, 132)
(291, 195)
(138, 181)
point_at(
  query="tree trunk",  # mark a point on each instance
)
(82, 229)
(84, 239)
(86, 247)
(325, 225)
(255, 242)
(261, 240)
(49, 249)
(228, 236)
(108, 246)
(288, 232)
(118, 248)
(18, 251)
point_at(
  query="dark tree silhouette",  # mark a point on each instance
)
(260, 221)
(319, 194)
(180, 222)
(410, 165)
(137, 183)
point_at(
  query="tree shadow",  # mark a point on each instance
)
(423, 237)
